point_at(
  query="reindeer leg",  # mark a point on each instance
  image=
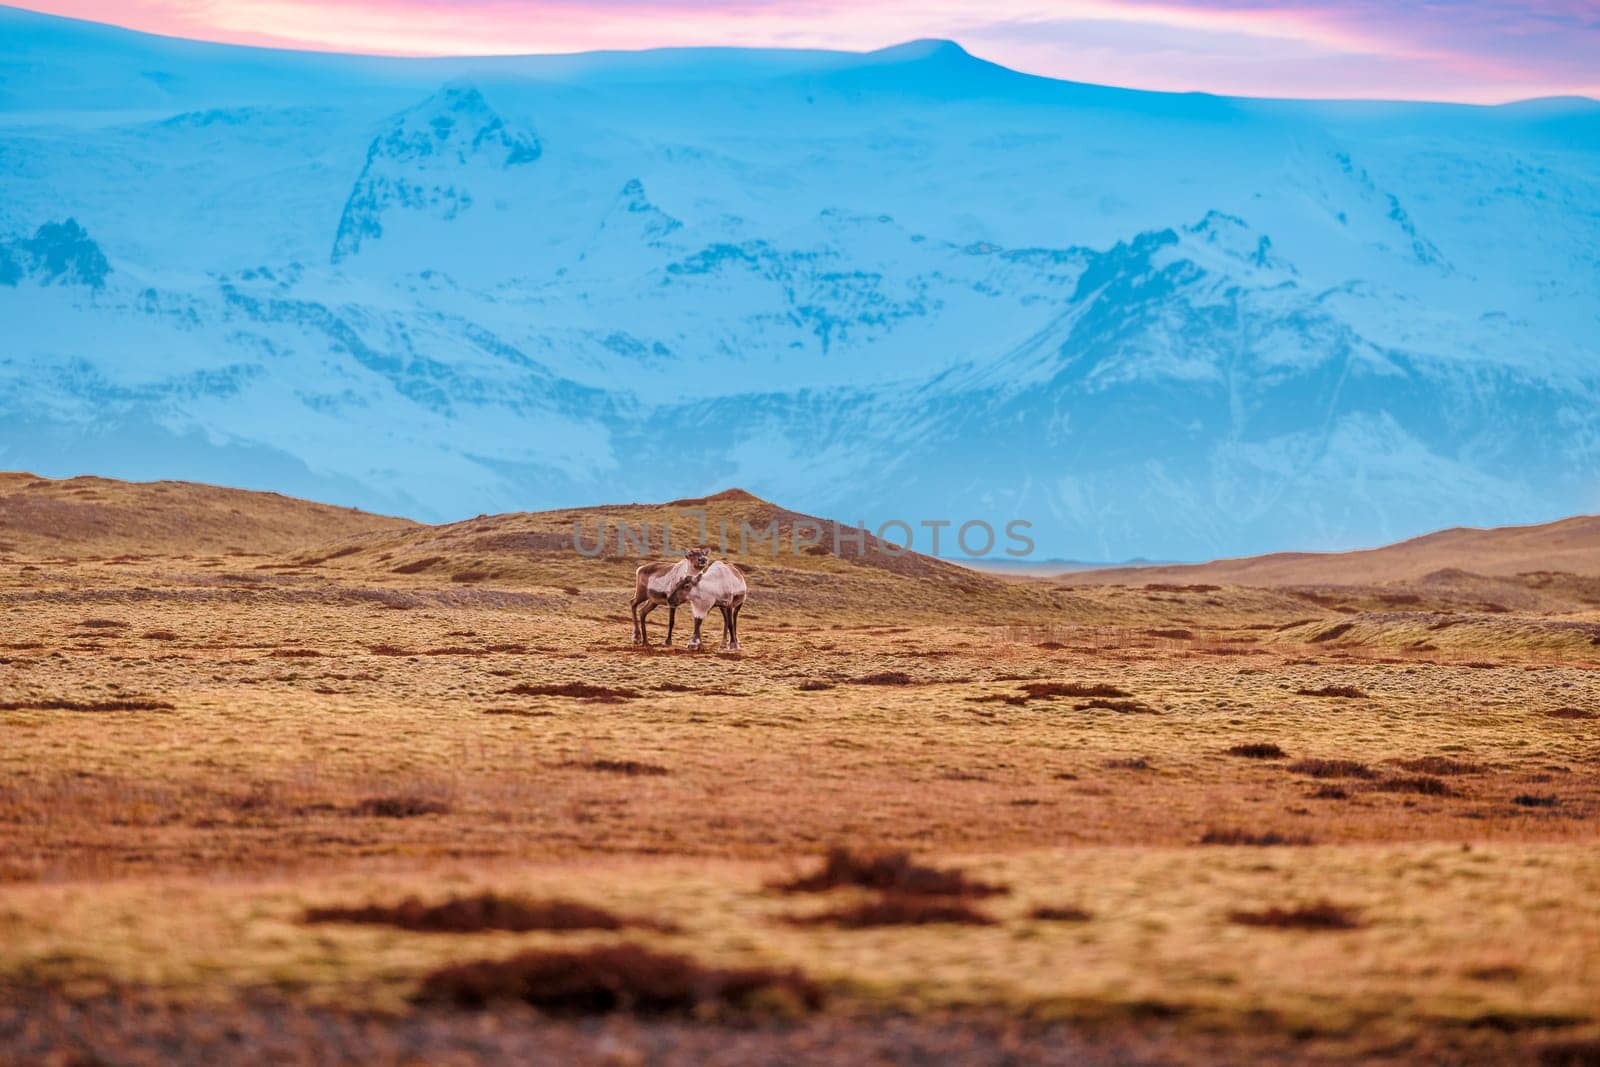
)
(638, 637)
(727, 624)
(694, 642)
(736, 609)
(672, 616)
(644, 625)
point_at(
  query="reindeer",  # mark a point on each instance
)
(722, 586)
(665, 583)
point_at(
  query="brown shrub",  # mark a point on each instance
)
(1344, 692)
(1175, 635)
(469, 576)
(1337, 630)
(1319, 916)
(400, 806)
(1331, 792)
(614, 978)
(889, 872)
(478, 913)
(295, 653)
(581, 690)
(897, 910)
(631, 768)
(1439, 765)
(1572, 713)
(159, 635)
(104, 624)
(57, 704)
(1059, 914)
(1127, 707)
(1129, 763)
(1578, 1052)
(1232, 835)
(1332, 768)
(1257, 750)
(390, 650)
(1536, 800)
(417, 565)
(1425, 784)
(1051, 690)
(885, 678)
(814, 687)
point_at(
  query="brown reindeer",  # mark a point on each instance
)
(665, 583)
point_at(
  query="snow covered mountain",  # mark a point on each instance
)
(905, 284)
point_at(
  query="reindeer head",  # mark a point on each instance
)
(699, 558)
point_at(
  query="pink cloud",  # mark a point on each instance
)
(1477, 50)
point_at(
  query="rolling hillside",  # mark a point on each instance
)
(1571, 546)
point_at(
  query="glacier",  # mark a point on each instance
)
(906, 284)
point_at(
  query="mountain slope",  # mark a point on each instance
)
(74, 516)
(901, 285)
(1570, 545)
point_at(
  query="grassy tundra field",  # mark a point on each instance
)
(283, 781)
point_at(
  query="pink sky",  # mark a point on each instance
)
(1470, 50)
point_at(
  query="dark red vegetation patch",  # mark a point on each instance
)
(1059, 913)
(481, 912)
(898, 910)
(417, 565)
(889, 872)
(580, 690)
(629, 767)
(1425, 784)
(400, 806)
(1319, 916)
(1536, 800)
(1332, 768)
(621, 978)
(1439, 765)
(885, 678)
(1338, 630)
(1257, 750)
(1571, 713)
(58, 704)
(1233, 835)
(1344, 692)
(1051, 690)
(814, 687)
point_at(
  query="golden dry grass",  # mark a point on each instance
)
(198, 750)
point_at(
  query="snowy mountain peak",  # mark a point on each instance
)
(424, 162)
